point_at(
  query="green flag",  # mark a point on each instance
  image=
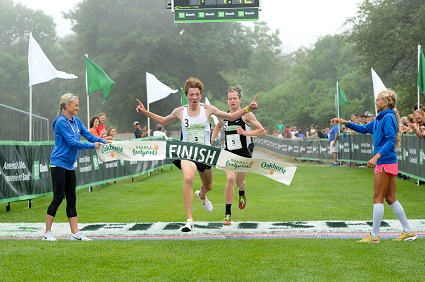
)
(97, 79)
(342, 98)
(183, 99)
(421, 71)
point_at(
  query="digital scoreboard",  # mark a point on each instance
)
(202, 4)
(215, 10)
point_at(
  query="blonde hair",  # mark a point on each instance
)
(404, 121)
(108, 133)
(66, 99)
(422, 113)
(390, 96)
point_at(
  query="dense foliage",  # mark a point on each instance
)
(386, 34)
(127, 39)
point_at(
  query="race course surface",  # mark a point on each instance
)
(214, 230)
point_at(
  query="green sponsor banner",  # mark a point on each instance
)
(412, 159)
(344, 147)
(25, 171)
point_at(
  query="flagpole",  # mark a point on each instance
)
(30, 129)
(419, 59)
(337, 105)
(88, 111)
(149, 121)
(88, 100)
(337, 101)
(419, 91)
(374, 98)
(40, 70)
(155, 91)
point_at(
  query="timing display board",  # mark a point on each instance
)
(213, 4)
(215, 10)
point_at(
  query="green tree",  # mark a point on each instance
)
(147, 40)
(16, 22)
(266, 65)
(308, 94)
(386, 33)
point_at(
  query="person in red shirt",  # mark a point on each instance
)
(101, 129)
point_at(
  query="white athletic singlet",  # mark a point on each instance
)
(196, 129)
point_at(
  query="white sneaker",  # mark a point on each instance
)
(188, 226)
(207, 203)
(79, 237)
(48, 236)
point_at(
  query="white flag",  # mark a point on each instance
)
(155, 89)
(39, 66)
(213, 116)
(378, 86)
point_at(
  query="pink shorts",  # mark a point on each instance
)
(388, 168)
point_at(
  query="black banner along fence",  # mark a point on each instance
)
(353, 148)
(25, 172)
(315, 150)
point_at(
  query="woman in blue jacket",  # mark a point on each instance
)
(67, 129)
(385, 140)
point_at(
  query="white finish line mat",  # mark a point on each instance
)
(211, 230)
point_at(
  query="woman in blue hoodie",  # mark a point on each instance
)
(67, 129)
(385, 140)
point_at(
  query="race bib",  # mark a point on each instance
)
(196, 136)
(233, 142)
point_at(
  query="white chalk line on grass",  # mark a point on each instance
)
(211, 230)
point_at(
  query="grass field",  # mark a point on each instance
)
(318, 192)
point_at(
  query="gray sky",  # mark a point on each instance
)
(301, 22)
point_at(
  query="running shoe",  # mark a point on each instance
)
(188, 226)
(227, 219)
(48, 236)
(404, 236)
(242, 201)
(370, 239)
(79, 237)
(206, 203)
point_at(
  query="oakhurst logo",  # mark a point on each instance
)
(273, 167)
(145, 150)
(111, 148)
(239, 164)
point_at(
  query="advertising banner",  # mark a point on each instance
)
(25, 171)
(221, 159)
